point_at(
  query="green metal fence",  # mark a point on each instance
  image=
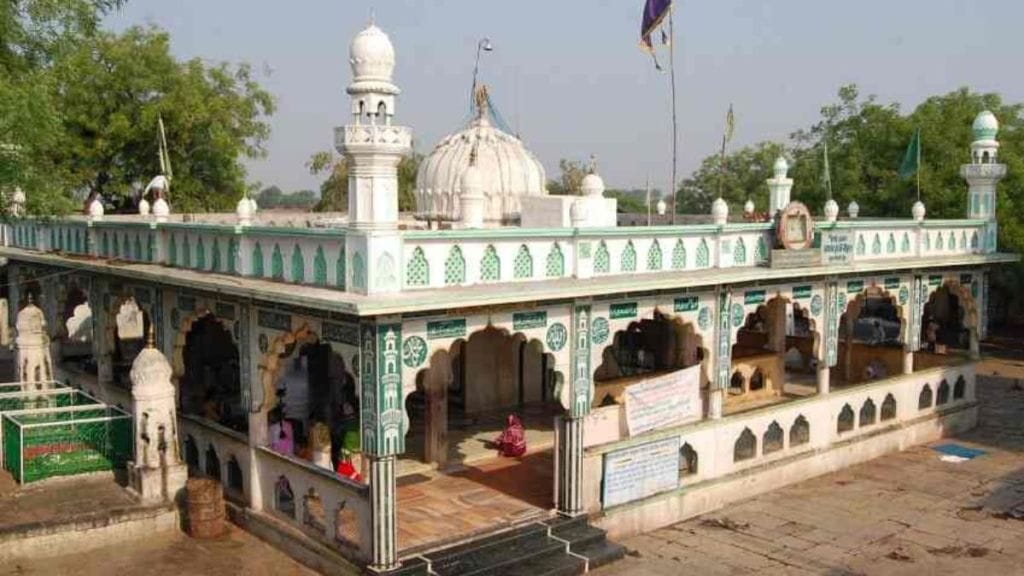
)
(63, 441)
(48, 398)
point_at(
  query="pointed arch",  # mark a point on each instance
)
(215, 256)
(861, 249)
(799, 432)
(490, 265)
(745, 447)
(845, 421)
(876, 245)
(455, 267)
(186, 252)
(298, 265)
(523, 266)
(761, 251)
(358, 271)
(703, 254)
(602, 259)
(320, 267)
(339, 269)
(774, 439)
(277, 263)
(679, 255)
(555, 265)
(739, 252)
(890, 244)
(905, 243)
(200, 254)
(257, 261)
(629, 257)
(232, 256)
(417, 271)
(927, 242)
(867, 413)
(654, 257)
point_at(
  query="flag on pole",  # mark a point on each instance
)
(655, 12)
(828, 172)
(730, 124)
(912, 159)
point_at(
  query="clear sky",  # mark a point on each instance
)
(569, 76)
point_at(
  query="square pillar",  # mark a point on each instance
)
(721, 357)
(569, 428)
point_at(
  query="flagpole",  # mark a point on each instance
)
(918, 164)
(672, 74)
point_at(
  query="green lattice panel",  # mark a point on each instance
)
(629, 257)
(277, 263)
(417, 272)
(298, 265)
(320, 267)
(490, 265)
(455, 267)
(602, 259)
(703, 254)
(654, 260)
(257, 261)
(739, 252)
(523, 266)
(555, 267)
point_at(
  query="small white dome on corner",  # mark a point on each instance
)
(918, 211)
(144, 207)
(781, 167)
(748, 207)
(592, 185)
(831, 210)
(372, 55)
(853, 209)
(719, 211)
(661, 207)
(161, 209)
(19, 196)
(96, 208)
(244, 211)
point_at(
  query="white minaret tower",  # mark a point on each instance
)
(982, 175)
(779, 187)
(373, 148)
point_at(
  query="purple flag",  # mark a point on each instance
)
(655, 12)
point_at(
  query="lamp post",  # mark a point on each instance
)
(484, 45)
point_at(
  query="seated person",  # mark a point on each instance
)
(512, 441)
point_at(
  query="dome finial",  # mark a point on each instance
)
(592, 168)
(482, 97)
(150, 337)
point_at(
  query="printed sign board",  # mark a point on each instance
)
(641, 471)
(663, 401)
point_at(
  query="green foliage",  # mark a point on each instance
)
(334, 189)
(569, 183)
(272, 197)
(112, 90)
(633, 201)
(744, 177)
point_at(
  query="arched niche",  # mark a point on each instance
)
(207, 372)
(949, 323)
(872, 337)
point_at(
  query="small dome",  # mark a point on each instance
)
(719, 211)
(150, 373)
(144, 206)
(918, 211)
(161, 208)
(831, 210)
(781, 167)
(96, 208)
(244, 210)
(985, 126)
(661, 207)
(19, 196)
(748, 207)
(371, 55)
(158, 183)
(853, 209)
(472, 182)
(592, 185)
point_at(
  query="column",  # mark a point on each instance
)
(913, 308)
(831, 335)
(381, 420)
(569, 466)
(824, 378)
(722, 365)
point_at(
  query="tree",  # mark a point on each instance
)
(571, 179)
(111, 90)
(744, 177)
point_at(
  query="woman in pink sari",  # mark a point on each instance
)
(512, 441)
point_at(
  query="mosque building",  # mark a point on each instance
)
(345, 380)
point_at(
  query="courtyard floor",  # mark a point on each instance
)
(905, 513)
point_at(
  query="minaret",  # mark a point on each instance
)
(373, 148)
(982, 175)
(779, 187)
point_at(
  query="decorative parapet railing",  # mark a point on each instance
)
(375, 135)
(435, 259)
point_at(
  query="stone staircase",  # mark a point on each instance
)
(555, 547)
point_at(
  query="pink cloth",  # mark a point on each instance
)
(282, 438)
(512, 441)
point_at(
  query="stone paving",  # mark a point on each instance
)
(60, 499)
(905, 513)
(173, 554)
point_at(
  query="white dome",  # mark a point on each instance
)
(160, 208)
(96, 208)
(19, 196)
(985, 126)
(918, 211)
(508, 171)
(831, 210)
(661, 207)
(719, 211)
(244, 211)
(853, 209)
(371, 55)
(144, 206)
(592, 185)
(748, 207)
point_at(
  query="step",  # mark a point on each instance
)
(473, 556)
(410, 567)
(578, 534)
(551, 563)
(549, 552)
(600, 552)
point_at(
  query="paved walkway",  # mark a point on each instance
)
(905, 513)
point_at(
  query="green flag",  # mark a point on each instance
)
(912, 159)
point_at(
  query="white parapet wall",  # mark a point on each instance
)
(721, 478)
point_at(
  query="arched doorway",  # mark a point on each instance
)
(949, 326)
(130, 325)
(210, 384)
(871, 339)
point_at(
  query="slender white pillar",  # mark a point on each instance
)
(570, 466)
(824, 379)
(383, 509)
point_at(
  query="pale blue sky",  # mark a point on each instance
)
(568, 73)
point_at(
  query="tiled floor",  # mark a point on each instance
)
(59, 499)
(434, 508)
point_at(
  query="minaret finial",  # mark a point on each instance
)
(481, 100)
(30, 302)
(593, 164)
(151, 337)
